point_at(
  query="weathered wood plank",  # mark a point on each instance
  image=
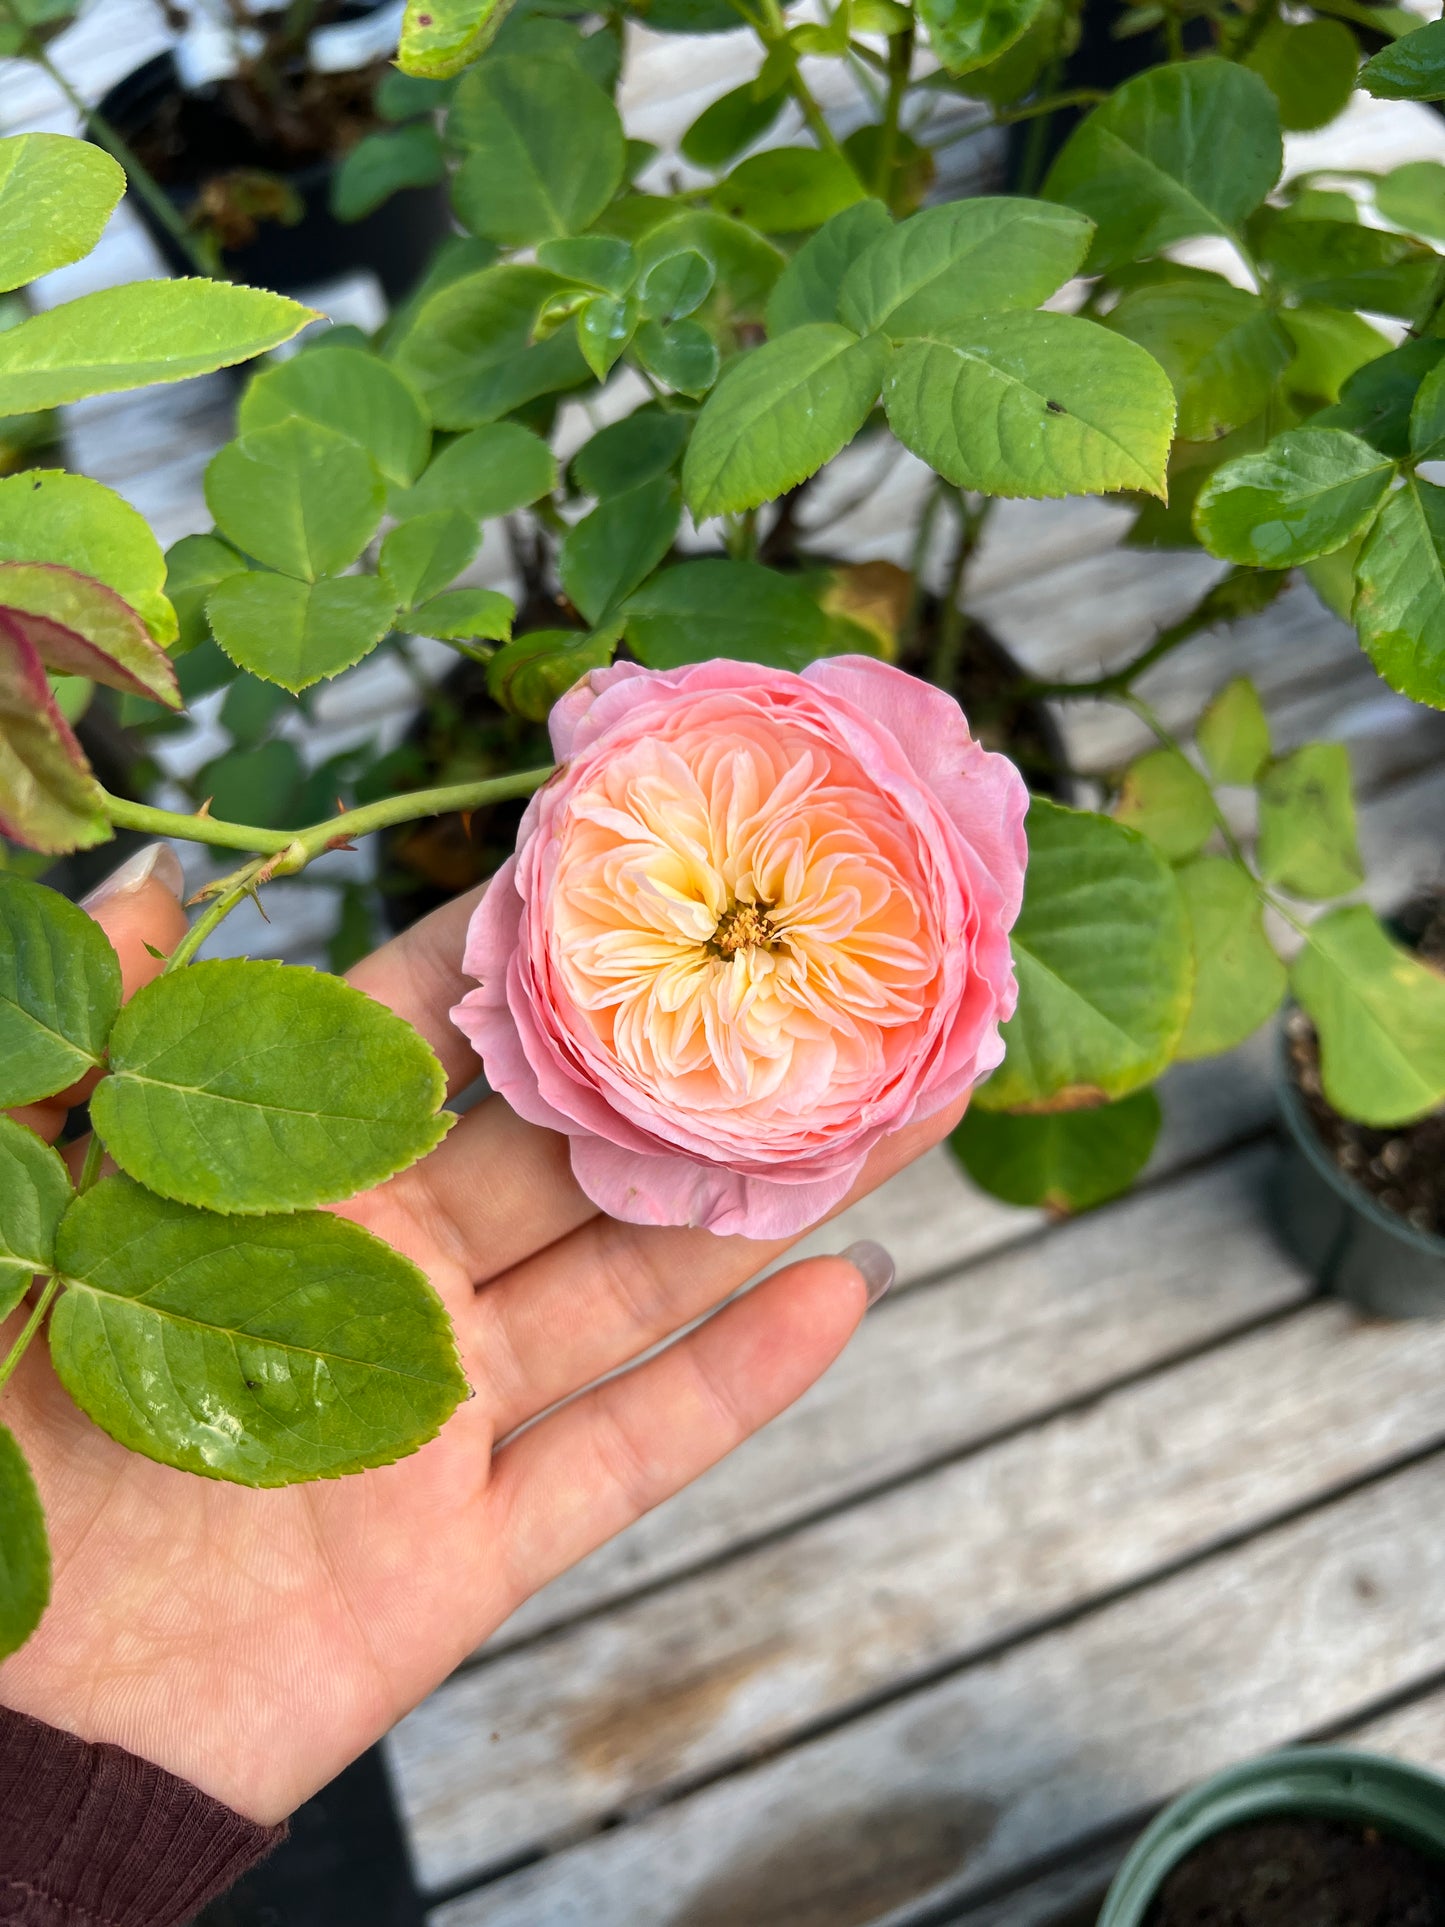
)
(992, 1768)
(521, 1752)
(1070, 1895)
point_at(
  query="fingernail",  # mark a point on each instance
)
(157, 860)
(875, 1264)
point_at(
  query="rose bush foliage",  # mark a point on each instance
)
(769, 907)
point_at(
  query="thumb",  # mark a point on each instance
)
(137, 905)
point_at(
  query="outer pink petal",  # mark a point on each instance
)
(982, 792)
(671, 1190)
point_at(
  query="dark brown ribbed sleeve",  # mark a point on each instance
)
(90, 1836)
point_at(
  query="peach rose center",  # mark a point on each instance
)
(742, 925)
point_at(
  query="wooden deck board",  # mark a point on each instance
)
(951, 1787)
(1069, 1894)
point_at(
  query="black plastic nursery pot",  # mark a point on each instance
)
(1326, 1782)
(1350, 1243)
(395, 242)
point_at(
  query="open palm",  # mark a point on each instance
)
(255, 1642)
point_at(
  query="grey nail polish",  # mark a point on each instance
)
(875, 1264)
(157, 860)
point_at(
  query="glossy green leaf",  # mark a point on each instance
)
(736, 121)
(531, 673)
(1166, 799)
(1177, 151)
(470, 352)
(244, 1086)
(78, 627)
(1307, 837)
(1304, 495)
(1066, 1161)
(1427, 418)
(49, 799)
(294, 633)
(1221, 348)
(809, 287)
(542, 150)
(1410, 68)
(604, 329)
(56, 195)
(264, 1353)
(967, 34)
(260, 784)
(48, 516)
(683, 355)
(1233, 733)
(1332, 577)
(380, 165)
(779, 414)
(746, 266)
(441, 37)
(675, 286)
(1400, 604)
(420, 557)
(401, 97)
(617, 546)
(1238, 979)
(351, 392)
(24, 1549)
(34, 1192)
(596, 260)
(1104, 964)
(788, 189)
(299, 497)
(686, 16)
(488, 472)
(717, 608)
(1310, 69)
(142, 332)
(194, 566)
(1329, 345)
(464, 615)
(1413, 198)
(973, 257)
(59, 992)
(1341, 264)
(247, 714)
(1380, 1014)
(1033, 404)
(1376, 401)
(630, 452)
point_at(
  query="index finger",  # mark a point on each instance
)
(138, 907)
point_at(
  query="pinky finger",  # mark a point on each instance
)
(579, 1477)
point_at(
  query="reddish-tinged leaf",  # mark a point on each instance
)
(48, 798)
(78, 627)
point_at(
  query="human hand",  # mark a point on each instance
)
(255, 1642)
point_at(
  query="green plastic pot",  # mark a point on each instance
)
(1328, 1782)
(1348, 1242)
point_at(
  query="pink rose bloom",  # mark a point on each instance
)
(755, 922)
